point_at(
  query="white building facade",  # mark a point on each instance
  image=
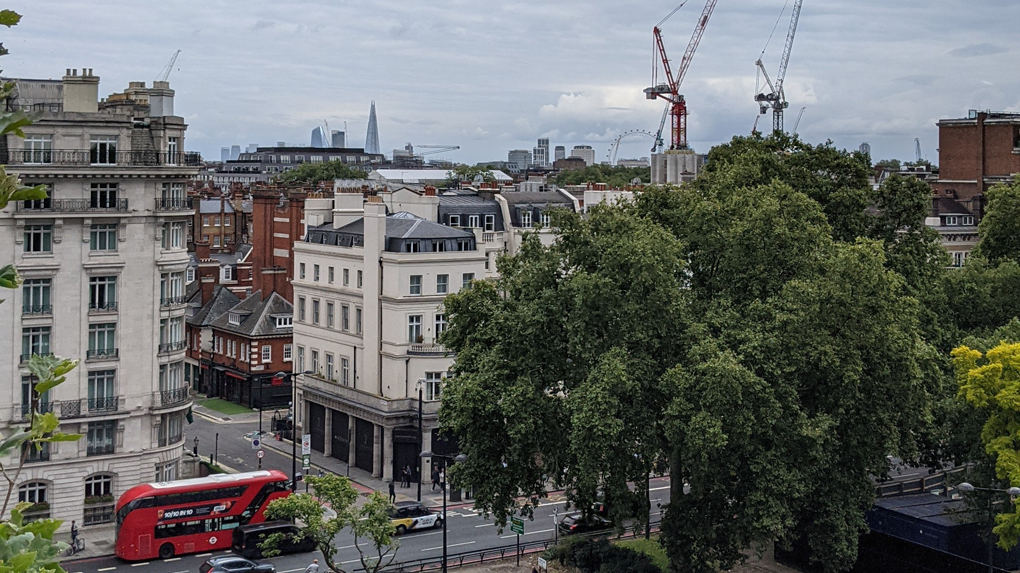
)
(104, 261)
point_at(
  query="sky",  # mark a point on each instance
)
(493, 76)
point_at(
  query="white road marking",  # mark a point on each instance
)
(658, 488)
(106, 569)
(183, 571)
(349, 562)
(292, 570)
(203, 554)
(344, 547)
(486, 525)
(139, 564)
(450, 545)
(528, 533)
(171, 559)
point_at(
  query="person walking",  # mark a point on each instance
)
(407, 476)
(74, 535)
(435, 479)
(393, 493)
(314, 567)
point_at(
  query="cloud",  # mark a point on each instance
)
(263, 25)
(977, 50)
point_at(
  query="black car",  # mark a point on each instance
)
(575, 523)
(235, 565)
(247, 538)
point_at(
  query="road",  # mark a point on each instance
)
(467, 531)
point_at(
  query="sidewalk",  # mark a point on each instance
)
(98, 542)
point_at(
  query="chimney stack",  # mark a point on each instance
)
(81, 93)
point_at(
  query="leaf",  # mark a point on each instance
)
(14, 441)
(21, 561)
(30, 194)
(9, 277)
(9, 18)
(14, 122)
(61, 437)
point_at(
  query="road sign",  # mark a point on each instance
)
(517, 525)
(261, 454)
(256, 444)
(306, 444)
(306, 461)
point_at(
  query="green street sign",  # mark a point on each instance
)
(517, 525)
(306, 461)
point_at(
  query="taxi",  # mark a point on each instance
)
(413, 516)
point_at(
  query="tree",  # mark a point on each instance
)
(615, 176)
(890, 164)
(315, 173)
(999, 230)
(321, 525)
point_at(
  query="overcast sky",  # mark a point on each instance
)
(491, 76)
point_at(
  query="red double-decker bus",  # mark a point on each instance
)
(192, 515)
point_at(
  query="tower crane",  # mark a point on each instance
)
(917, 149)
(796, 124)
(776, 98)
(164, 74)
(670, 91)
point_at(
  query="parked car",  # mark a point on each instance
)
(412, 516)
(576, 523)
(248, 537)
(235, 565)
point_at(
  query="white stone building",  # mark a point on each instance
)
(104, 261)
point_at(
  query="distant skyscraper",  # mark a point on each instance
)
(338, 138)
(372, 136)
(519, 157)
(866, 148)
(543, 144)
(585, 152)
(561, 152)
(224, 154)
(319, 138)
(281, 144)
(252, 148)
(235, 152)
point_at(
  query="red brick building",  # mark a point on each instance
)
(277, 221)
(975, 153)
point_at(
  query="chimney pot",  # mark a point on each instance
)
(68, 72)
(74, 72)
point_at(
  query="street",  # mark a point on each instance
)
(467, 531)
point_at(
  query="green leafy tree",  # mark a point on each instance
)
(328, 511)
(999, 230)
(315, 173)
(893, 164)
(614, 176)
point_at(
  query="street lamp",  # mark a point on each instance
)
(458, 458)
(293, 425)
(1012, 492)
(421, 436)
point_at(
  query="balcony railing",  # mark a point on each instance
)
(172, 301)
(99, 514)
(173, 204)
(101, 354)
(67, 409)
(86, 205)
(102, 449)
(27, 309)
(169, 347)
(170, 398)
(93, 158)
(110, 306)
(427, 349)
(104, 405)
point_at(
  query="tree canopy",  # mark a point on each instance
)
(315, 173)
(999, 229)
(614, 176)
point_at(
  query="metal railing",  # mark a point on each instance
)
(172, 301)
(110, 306)
(918, 485)
(85, 205)
(168, 347)
(427, 349)
(99, 158)
(36, 309)
(170, 398)
(173, 204)
(101, 353)
(67, 409)
(104, 405)
(97, 515)
(103, 449)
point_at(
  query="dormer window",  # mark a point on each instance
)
(284, 321)
(526, 218)
(454, 220)
(234, 318)
(952, 220)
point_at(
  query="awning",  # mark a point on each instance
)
(238, 376)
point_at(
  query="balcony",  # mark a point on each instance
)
(36, 309)
(171, 398)
(92, 158)
(419, 349)
(101, 354)
(369, 401)
(106, 405)
(167, 302)
(174, 204)
(87, 205)
(70, 409)
(110, 306)
(101, 449)
(168, 347)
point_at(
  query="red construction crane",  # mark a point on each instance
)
(670, 91)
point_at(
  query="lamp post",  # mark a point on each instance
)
(293, 425)
(458, 458)
(1012, 492)
(421, 437)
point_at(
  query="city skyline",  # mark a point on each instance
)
(865, 71)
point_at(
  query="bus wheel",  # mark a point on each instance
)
(166, 551)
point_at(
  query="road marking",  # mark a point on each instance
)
(184, 571)
(658, 488)
(106, 569)
(349, 562)
(203, 554)
(528, 533)
(139, 564)
(344, 547)
(171, 559)
(486, 525)
(292, 570)
(450, 545)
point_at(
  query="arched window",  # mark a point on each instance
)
(98, 499)
(35, 492)
(98, 485)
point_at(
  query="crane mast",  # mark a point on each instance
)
(670, 91)
(164, 74)
(776, 98)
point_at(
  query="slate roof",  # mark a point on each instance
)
(536, 198)
(401, 225)
(950, 206)
(258, 317)
(221, 300)
(212, 206)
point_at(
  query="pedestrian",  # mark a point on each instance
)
(314, 567)
(407, 476)
(393, 493)
(435, 479)
(442, 479)
(74, 534)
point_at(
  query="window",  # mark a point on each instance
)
(301, 358)
(315, 273)
(103, 196)
(454, 220)
(347, 277)
(99, 486)
(442, 284)
(433, 385)
(216, 221)
(359, 279)
(315, 311)
(46, 203)
(38, 149)
(316, 158)
(267, 353)
(301, 271)
(228, 273)
(952, 220)
(288, 351)
(234, 318)
(284, 321)
(413, 247)
(103, 237)
(331, 275)
(545, 218)
(103, 150)
(440, 324)
(102, 340)
(101, 437)
(101, 393)
(171, 288)
(959, 258)
(525, 218)
(216, 241)
(490, 223)
(357, 320)
(414, 328)
(415, 284)
(205, 221)
(42, 400)
(438, 246)
(173, 235)
(473, 221)
(35, 340)
(967, 220)
(466, 279)
(329, 315)
(301, 308)
(345, 371)
(345, 318)
(103, 293)
(35, 296)
(33, 492)
(329, 367)
(172, 150)
(38, 239)
(284, 159)
(315, 361)
(244, 353)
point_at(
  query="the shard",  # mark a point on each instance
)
(372, 137)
